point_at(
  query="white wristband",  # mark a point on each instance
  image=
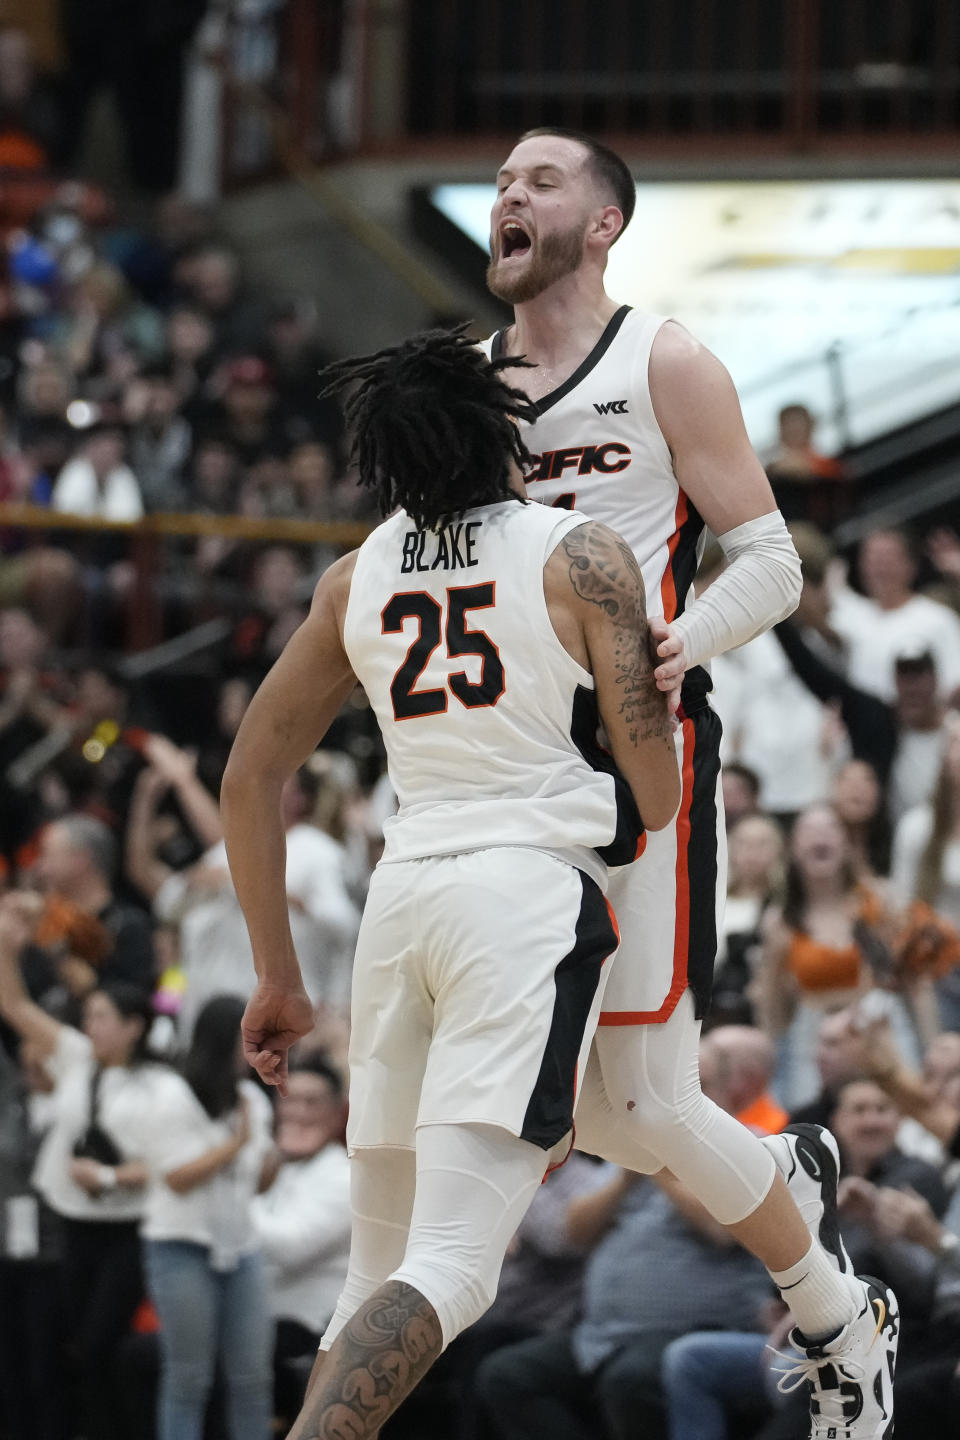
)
(107, 1177)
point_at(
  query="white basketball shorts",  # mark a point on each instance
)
(669, 902)
(476, 992)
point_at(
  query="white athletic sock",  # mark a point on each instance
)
(821, 1300)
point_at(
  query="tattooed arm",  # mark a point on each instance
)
(596, 601)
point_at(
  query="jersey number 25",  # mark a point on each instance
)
(409, 703)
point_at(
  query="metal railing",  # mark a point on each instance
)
(793, 75)
(147, 545)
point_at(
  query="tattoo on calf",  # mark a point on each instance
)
(604, 571)
(376, 1360)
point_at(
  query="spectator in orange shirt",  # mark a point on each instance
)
(742, 1061)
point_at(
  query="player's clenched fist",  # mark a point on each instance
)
(276, 1017)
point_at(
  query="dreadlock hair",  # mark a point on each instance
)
(431, 425)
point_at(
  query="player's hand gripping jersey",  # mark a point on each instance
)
(489, 724)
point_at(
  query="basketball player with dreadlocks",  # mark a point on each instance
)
(639, 426)
(479, 966)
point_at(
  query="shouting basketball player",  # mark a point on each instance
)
(491, 636)
(639, 425)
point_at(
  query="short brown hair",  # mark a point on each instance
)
(607, 166)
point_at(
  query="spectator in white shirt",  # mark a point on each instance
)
(772, 722)
(303, 1223)
(206, 1144)
(890, 619)
(91, 1167)
(215, 949)
(96, 482)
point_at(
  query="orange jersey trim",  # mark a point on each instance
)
(668, 585)
(681, 935)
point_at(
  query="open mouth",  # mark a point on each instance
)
(514, 240)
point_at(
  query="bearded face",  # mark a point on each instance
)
(523, 267)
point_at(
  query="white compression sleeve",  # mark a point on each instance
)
(760, 586)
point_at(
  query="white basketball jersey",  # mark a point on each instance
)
(597, 446)
(489, 724)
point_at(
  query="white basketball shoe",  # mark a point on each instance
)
(850, 1374)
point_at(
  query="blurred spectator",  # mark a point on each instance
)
(933, 1097)
(340, 811)
(928, 1382)
(302, 1222)
(215, 477)
(741, 792)
(279, 592)
(721, 1383)
(160, 439)
(215, 949)
(943, 551)
(858, 798)
(926, 859)
(889, 619)
(754, 880)
(29, 126)
(902, 742)
(33, 1372)
(103, 318)
(28, 684)
(865, 1123)
(796, 454)
(44, 390)
(89, 1169)
(190, 339)
(206, 1149)
(825, 947)
(209, 278)
(233, 698)
(808, 485)
(267, 489)
(105, 741)
(248, 416)
(837, 1060)
(97, 482)
(773, 723)
(739, 1061)
(312, 472)
(296, 357)
(77, 864)
(137, 53)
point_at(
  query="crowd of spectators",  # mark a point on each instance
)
(172, 1240)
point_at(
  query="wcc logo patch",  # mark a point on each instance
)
(611, 407)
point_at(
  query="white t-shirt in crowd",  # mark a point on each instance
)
(773, 724)
(875, 637)
(303, 1225)
(216, 1214)
(215, 951)
(77, 492)
(126, 1100)
(913, 774)
(910, 839)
